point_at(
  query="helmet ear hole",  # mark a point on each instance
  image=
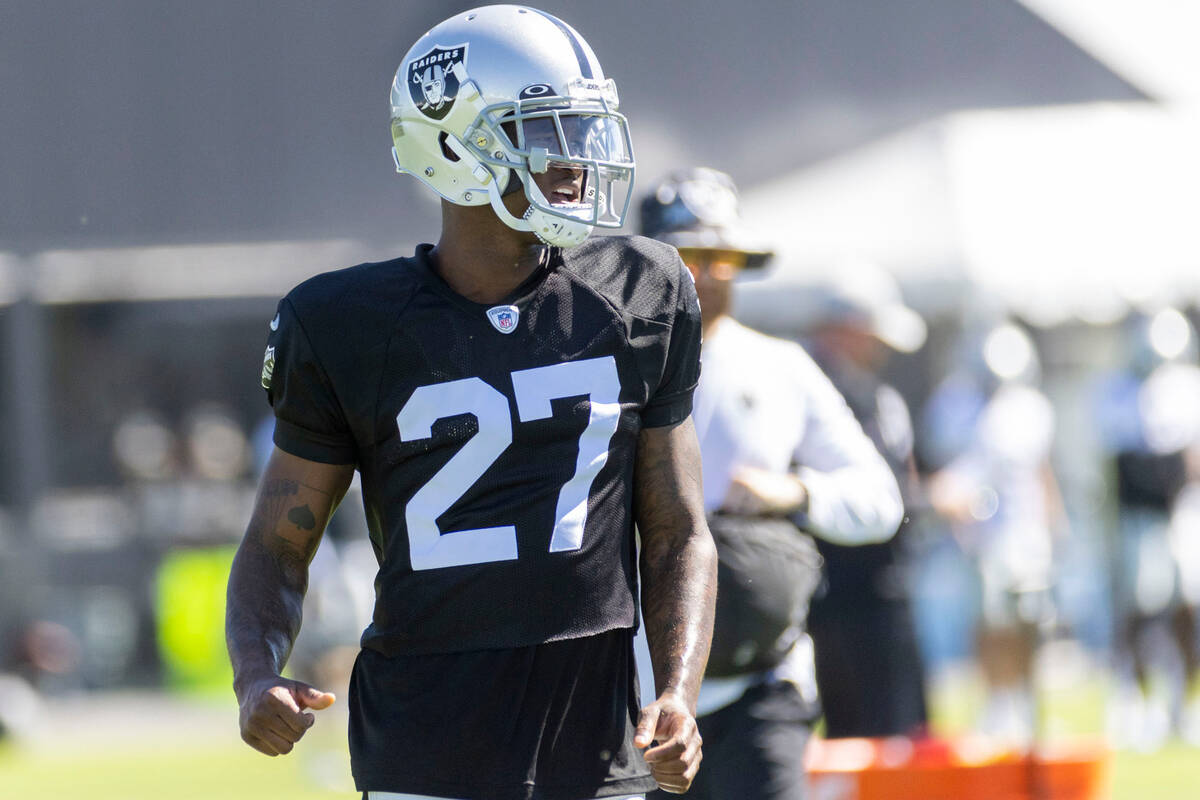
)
(450, 155)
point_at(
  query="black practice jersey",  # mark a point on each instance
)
(495, 443)
(496, 450)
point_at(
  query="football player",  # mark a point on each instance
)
(514, 399)
(992, 429)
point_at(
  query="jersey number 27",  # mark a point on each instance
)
(429, 548)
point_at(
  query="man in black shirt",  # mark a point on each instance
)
(869, 670)
(512, 408)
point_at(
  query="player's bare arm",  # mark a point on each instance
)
(679, 591)
(266, 593)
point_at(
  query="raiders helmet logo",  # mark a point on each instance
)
(434, 79)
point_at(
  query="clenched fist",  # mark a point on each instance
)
(272, 714)
(676, 756)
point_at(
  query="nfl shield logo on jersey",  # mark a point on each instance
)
(504, 318)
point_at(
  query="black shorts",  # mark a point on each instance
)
(549, 722)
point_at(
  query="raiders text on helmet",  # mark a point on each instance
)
(504, 91)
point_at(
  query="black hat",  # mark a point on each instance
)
(698, 208)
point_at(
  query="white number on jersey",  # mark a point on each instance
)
(429, 548)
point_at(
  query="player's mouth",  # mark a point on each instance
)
(565, 195)
(562, 186)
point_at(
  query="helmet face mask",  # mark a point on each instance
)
(587, 138)
(466, 117)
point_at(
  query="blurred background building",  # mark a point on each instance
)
(168, 170)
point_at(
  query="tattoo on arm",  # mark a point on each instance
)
(269, 576)
(678, 559)
(302, 517)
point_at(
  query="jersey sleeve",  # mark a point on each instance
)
(309, 422)
(671, 403)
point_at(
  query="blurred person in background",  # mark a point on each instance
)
(515, 399)
(993, 429)
(1149, 419)
(784, 460)
(869, 669)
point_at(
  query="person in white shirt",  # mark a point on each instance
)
(994, 430)
(777, 442)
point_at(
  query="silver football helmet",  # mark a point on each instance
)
(491, 97)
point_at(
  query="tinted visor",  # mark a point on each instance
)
(588, 137)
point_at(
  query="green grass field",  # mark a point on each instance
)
(230, 772)
(189, 750)
(1172, 774)
(130, 747)
(163, 770)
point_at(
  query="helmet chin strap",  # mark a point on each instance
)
(552, 229)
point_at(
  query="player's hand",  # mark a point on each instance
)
(760, 492)
(670, 727)
(272, 714)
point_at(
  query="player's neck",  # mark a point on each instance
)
(481, 258)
